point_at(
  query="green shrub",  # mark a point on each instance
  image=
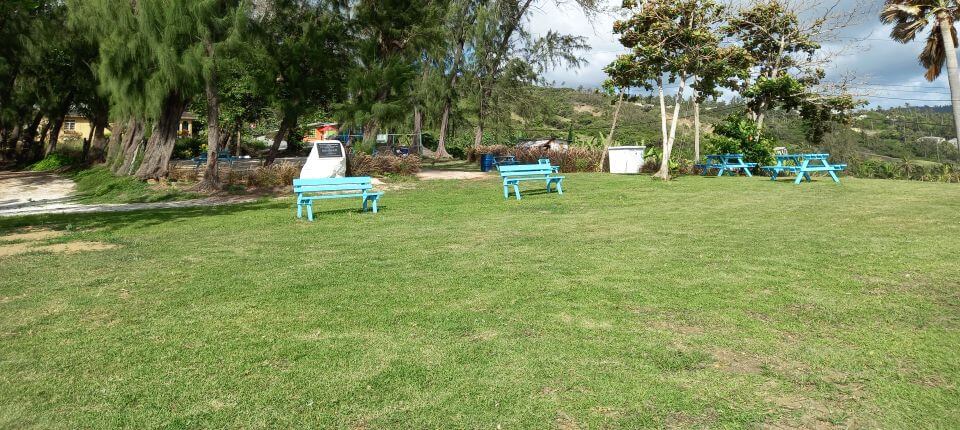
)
(274, 175)
(55, 161)
(574, 159)
(381, 165)
(737, 134)
(188, 147)
(99, 185)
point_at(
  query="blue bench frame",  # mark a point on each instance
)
(725, 163)
(308, 190)
(799, 164)
(504, 160)
(513, 175)
(222, 155)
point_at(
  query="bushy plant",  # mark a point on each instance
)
(574, 159)
(381, 165)
(188, 147)
(737, 134)
(55, 161)
(717, 144)
(274, 175)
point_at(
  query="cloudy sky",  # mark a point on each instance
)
(886, 72)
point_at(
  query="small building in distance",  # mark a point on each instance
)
(549, 144)
(78, 126)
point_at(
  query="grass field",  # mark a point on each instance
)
(624, 303)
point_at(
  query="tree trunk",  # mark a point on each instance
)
(613, 128)
(444, 124)
(29, 137)
(953, 76)
(478, 135)
(211, 175)
(415, 140)
(8, 143)
(85, 152)
(37, 149)
(113, 146)
(100, 119)
(370, 130)
(61, 113)
(54, 135)
(448, 97)
(156, 157)
(132, 141)
(663, 111)
(696, 129)
(99, 143)
(664, 172)
(286, 124)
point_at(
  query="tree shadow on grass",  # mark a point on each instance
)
(537, 192)
(318, 215)
(111, 221)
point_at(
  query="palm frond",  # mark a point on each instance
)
(933, 55)
(895, 11)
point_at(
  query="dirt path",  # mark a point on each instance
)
(32, 193)
(451, 174)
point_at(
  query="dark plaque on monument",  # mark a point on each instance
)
(329, 150)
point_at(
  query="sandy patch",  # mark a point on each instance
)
(736, 362)
(582, 108)
(57, 248)
(450, 174)
(32, 235)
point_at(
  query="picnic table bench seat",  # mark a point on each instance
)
(223, 155)
(309, 190)
(802, 165)
(513, 175)
(725, 163)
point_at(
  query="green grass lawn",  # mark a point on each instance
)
(624, 303)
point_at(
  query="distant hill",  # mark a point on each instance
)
(914, 133)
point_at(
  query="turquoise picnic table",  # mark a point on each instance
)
(726, 163)
(803, 165)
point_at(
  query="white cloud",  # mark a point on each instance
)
(887, 71)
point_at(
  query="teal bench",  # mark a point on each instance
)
(802, 165)
(725, 163)
(223, 155)
(308, 190)
(513, 175)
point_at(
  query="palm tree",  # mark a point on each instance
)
(909, 18)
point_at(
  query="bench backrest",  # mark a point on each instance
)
(526, 169)
(332, 184)
(220, 154)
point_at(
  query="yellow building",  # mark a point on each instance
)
(78, 126)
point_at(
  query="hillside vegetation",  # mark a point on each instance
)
(915, 134)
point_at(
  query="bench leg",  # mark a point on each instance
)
(747, 171)
(560, 187)
(375, 205)
(516, 190)
(299, 211)
(310, 211)
(799, 179)
(506, 191)
(834, 176)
